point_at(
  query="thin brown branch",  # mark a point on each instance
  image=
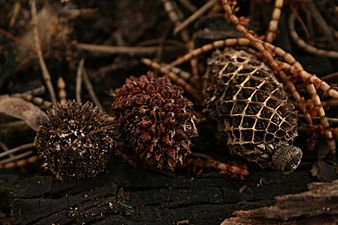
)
(45, 73)
(188, 5)
(13, 151)
(16, 9)
(40, 102)
(273, 25)
(331, 120)
(194, 16)
(62, 91)
(79, 75)
(91, 91)
(176, 17)
(332, 103)
(305, 46)
(322, 24)
(36, 91)
(330, 76)
(133, 50)
(199, 161)
(299, 19)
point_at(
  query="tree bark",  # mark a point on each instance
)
(125, 195)
(319, 205)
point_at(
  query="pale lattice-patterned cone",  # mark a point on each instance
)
(252, 110)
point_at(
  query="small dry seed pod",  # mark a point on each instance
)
(155, 119)
(252, 110)
(75, 140)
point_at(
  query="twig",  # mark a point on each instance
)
(201, 161)
(275, 17)
(322, 24)
(40, 102)
(120, 49)
(19, 160)
(305, 30)
(45, 73)
(83, 12)
(117, 66)
(330, 76)
(22, 162)
(173, 13)
(91, 91)
(194, 16)
(332, 103)
(16, 157)
(3, 146)
(36, 91)
(30, 97)
(188, 5)
(331, 120)
(16, 9)
(176, 17)
(16, 149)
(79, 81)
(62, 91)
(13, 151)
(166, 42)
(194, 65)
(302, 44)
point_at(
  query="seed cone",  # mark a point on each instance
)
(155, 119)
(252, 110)
(75, 140)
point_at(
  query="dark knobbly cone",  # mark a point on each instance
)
(155, 119)
(76, 140)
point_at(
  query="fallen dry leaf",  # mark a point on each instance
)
(21, 109)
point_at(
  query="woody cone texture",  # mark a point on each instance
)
(155, 119)
(75, 140)
(252, 110)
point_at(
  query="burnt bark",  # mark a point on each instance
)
(125, 195)
(319, 205)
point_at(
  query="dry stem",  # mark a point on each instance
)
(120, 49)
(91, 91)
(45, 73)
(195, 15)
(79, 81)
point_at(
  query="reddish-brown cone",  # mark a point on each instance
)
(155, 119)
(75, 140)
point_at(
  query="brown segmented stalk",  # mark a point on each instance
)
(62, 91)
(273, 24)
(293, 69)
(211, 46)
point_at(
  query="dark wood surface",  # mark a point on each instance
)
(125, 195)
